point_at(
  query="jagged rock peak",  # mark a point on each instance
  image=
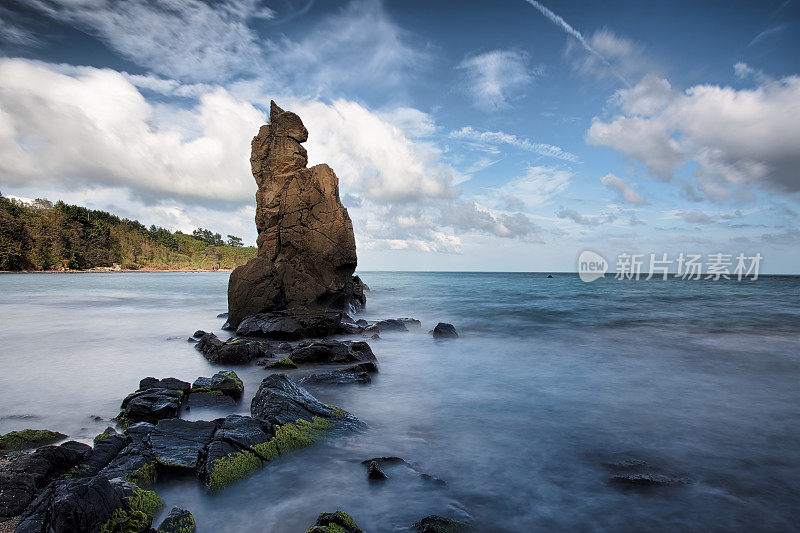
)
(306, 248)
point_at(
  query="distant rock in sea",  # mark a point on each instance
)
(306, 248)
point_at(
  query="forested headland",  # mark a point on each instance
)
(46, 236)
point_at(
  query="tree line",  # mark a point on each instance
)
(42, 235)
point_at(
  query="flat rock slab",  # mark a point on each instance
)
(280, 400)
(178, 443)
(332, 352)
(226, 382)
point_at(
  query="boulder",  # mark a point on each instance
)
(135, 462)
(411, 322)
(237, 440)
(280, 400)
(291, 325)
(306, 247)
(150, 405)
(91, 504)
(338, 522)
(24, 476)
(332, 352)
(284, 362)
(444, 330)
(179, 443)
(166, 383)
(232, 352)
(390, 324)
(225, 382)
(177, 521)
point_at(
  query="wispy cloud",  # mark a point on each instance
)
(496, 78)
(769, 32)
(569, 30)
(495, 138)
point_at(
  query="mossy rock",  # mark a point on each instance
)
(300, 434)
(439, 524)
(137, 517)
(28, 438)
(282, 363)
(178, 521)
(337, 522)
(144, 476)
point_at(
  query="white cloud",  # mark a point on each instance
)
(576, 217)
(468, 215)
(626, 193)
(189, 40)
(93, 129)
(489, 140)
(498, 77)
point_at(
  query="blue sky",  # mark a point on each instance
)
(466, 135)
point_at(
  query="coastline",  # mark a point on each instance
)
(111, 271)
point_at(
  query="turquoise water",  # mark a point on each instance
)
(550, 380)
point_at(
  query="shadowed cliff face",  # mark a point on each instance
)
(306, 249)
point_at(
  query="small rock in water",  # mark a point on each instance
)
(282, 363)
(444, 330)
(411, 322)
(439, 524)
(232, 352)
(636, 474)
(222, 315)
(178, 521)
(374, 471)
(332, 352)
(199, 333)
(338, 522)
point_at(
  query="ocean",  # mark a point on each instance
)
(550, 383)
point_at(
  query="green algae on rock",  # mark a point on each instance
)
(337, 522)
(178, 521)
(28, 438)
(282, 363)
(137, 517)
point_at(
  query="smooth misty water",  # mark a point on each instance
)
(551, 379)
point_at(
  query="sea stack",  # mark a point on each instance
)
(306, 248)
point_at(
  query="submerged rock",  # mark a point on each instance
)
(338, 377)
(374, 471)
(439, 524)
(444, 330)
(337, 522)
(390, 324)
(332, 352)
(232, 352)
(28, 438)
(636, 474)
(177, 521)
(291, 325)
(306, 247)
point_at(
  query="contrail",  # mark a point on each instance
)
(561, 23)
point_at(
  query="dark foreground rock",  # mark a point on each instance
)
(291, 325)
(25, 476)
(444, 331)
(232, 352)
(439, 524)
(91, 504)
(337, 522)
(177, 521)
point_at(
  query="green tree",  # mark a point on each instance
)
(233, 240)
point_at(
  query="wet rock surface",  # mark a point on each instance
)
(291, 325)
(337, 522)
(638, 475)
(280, 400)
(177, 521)
(232, 352)
(332, 352)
